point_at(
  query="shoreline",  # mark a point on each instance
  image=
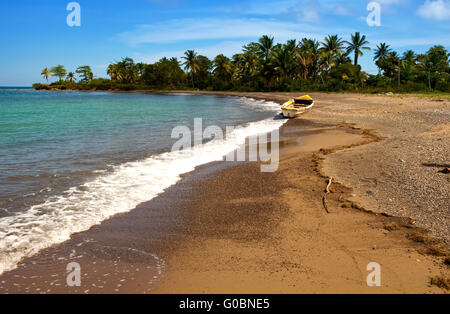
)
(441, 96)
(285, 241)
(357, 110)
(124, 184)
(200, 258)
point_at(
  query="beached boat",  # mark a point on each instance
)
(297, 106)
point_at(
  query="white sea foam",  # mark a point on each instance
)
(260, 105)
(119, 191)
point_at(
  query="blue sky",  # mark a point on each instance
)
(35, 34)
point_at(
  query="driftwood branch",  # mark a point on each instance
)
(324, 199)
(329, 185)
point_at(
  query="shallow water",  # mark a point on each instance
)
(70, 160)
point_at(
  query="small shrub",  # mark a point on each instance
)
(447, 261)
(441, 282)
(421, 238)
(39, 86)
(393, 226)
(437, 250)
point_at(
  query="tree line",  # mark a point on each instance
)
(330, 65)
(59, 71)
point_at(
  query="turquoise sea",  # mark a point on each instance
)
(70, 160)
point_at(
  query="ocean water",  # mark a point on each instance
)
(70, 160)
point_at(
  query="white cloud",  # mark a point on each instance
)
(342, 9)
(184, 30)
(308, 11)
(435, 10)
(267, 8)
(391, 2)
(391, 6)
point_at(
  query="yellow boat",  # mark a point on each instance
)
(297, 106)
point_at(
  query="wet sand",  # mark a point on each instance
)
(228, 228)
(270, 233)
(398, 175)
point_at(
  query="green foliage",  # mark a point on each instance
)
(191, 64)
(267, 66)
(222, 73)
(125, 71)
(85, 73)
(39, 86)
(166, 73)
(357, 45)
(70, 77)
(59, 71)
(389, 65)
(204, 74)
(65, 85)
(46, 74)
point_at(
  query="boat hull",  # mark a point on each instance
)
(294, 113)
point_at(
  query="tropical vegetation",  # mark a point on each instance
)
(307, 64)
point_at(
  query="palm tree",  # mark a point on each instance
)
(332, 49)
(59, 71)
(327, 61)
(140, 68)
(46, 73)
(435, 61)
(191, 64)
(305, 60)
(343, 58)
(357, 44)
(249, 63)
(128, 70)
(333, 44)
(265, 46)
(283, 60)
(114, 73)
(245, 66)
(307, 44)
(383, 51)
(70, 77)
(125, 71)
(85, 73)
(291, 44)
(408, 64)
(308, 57)
(222, 67)
(425, 65)
(409, 57)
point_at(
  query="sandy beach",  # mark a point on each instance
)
(402, 179)
(228, 228)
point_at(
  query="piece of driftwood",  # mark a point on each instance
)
(329, 185)
(324, 199)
